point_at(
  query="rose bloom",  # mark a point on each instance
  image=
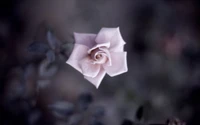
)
(94, 55)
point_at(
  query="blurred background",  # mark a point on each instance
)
(37, 87)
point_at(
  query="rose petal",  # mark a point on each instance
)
(101, 60)
(85, 39)
(109, 62)
(79, 52)
(106, 45)
(119, 64)
(88, 68)
(113, 36)
(97, 80)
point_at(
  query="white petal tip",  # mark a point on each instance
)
(118, 73)
(97, 87)
(67, 62)
(95, 84)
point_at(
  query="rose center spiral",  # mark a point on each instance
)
(98, 56)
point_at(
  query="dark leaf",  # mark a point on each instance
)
(75, 119)
(67, 48)
(47, 70)
(127, 122)
(96, 122)
(41, 84)
(62, 109)
(99, 112)
(139, 113)
(38, 47)
(53, 41)
(51, 56)
(84, 100)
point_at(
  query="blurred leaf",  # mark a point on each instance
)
(84, 100)
(14, 89)
(96, 122)
(139, 113)
(99, 112)
(51, 56)
(46, 69)
(62, 109)
(67, 48)
(53, 41)
(127, 122)
(75, 119)
(34, 117)
(38, 47)
(41, 84)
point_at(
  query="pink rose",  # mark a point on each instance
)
(94, 55)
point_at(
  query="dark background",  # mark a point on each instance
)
(162, 41)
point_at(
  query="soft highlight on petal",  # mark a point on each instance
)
(79, 52)
(113, 36)
(88, 68)
(97, 80)
(119, 64)
(106, 45)
(85, 39)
